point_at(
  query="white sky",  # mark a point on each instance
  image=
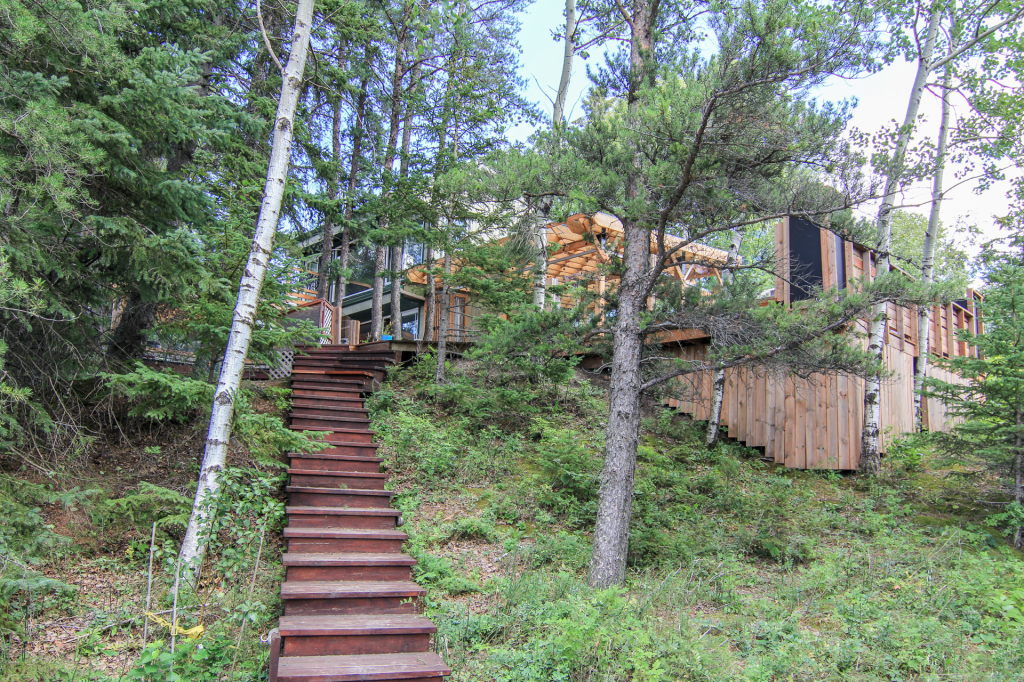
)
(882, 99)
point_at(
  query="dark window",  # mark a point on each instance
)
(841, 261)
(805, 270)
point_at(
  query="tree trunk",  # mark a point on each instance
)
(353, 175)
(931, 239)
(718, 384)
(540, 270)
(427, 333)
(569, 42)
(128, 339)
(622, 435)
(380, 265)
(870, 455)
(442, 331)
(327, 239)
(244, 316)
(1018, 476)
(397, 76)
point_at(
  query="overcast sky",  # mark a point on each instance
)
(882, 99)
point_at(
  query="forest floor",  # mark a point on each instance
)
(738, 569)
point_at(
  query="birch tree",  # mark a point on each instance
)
(222, 414)
(718, 383)
(931, 239)
(965, 32)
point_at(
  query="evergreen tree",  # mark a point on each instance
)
(990, 399)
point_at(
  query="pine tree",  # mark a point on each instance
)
(990, 399)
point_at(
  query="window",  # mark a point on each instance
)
(459, 318)
(411, 322)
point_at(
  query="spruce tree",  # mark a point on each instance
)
(990, 399)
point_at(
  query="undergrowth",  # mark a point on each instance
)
(739, 570)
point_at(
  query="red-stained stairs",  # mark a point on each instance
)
(351, 610)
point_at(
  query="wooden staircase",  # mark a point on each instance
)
(350, 606)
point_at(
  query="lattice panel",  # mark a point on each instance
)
(284, 366)
(328, 315)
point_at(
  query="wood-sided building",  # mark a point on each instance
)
(800, 423)
(816, 423)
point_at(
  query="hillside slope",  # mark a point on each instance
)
(739, 569)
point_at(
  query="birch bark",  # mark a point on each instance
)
(558, 115)
(870, 457)
(718, 384)
(931, 239)
(244, 317)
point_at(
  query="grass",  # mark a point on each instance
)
(738, 569)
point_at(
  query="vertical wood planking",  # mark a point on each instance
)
(769, 416)
(843, 421)
(790, 454)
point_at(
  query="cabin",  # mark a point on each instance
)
(812, 423)
(815, 423)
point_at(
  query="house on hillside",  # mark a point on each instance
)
(810, 423)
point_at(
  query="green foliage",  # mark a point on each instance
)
(990, 398)
(161, 395)
(204, 660)
(149, 504)
(243, 513)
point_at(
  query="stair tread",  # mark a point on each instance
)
(334, 430)
(349, 589)
(353, 533)
(346, 559)
(342, 458)
(337, 474)
(308, 404)
(308, 626)
(342, 511)
(361, 667)
(330, 418)
(338, 491)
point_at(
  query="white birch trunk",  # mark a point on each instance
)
(931, 239)
(870, 457)
(540, 275)
(558, 115)
(244, 317)
(718, 384)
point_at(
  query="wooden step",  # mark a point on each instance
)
(355, 449)
(348, 566)
(363, 668)
(300, 420)
(320, 462)
(326, 406)
(324, 382)
(351, 361)
(339, 497)
(343, 436)
(332, 517)
(313, 540)
(325, 389)
(354, 635)
(356, 597)
(363, 480)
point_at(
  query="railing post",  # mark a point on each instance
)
(274, 640)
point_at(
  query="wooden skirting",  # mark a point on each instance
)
(806, 423)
